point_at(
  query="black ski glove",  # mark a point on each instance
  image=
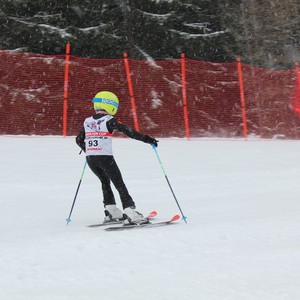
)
(150, 140)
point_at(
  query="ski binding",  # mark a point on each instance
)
(151, 215)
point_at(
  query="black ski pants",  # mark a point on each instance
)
(107, 170)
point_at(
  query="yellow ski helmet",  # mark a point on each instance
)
(107, 101)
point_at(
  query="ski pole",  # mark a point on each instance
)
(69, 218)
(162, 167)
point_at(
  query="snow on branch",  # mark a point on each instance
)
(196, 35)
(52, 29)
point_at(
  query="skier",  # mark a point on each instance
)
(95, 139)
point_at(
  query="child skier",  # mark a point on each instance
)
(95, 139)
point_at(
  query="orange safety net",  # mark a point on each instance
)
(32, 96)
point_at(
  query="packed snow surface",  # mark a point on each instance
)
(241, 240)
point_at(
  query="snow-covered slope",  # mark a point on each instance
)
(241, 242)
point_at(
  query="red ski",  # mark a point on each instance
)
(147, 225)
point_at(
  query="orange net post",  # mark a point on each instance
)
(184, 98)
(132, 101)
(66, 84)
(242, 95)
(295, 99)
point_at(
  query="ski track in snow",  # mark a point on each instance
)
(241, 242)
